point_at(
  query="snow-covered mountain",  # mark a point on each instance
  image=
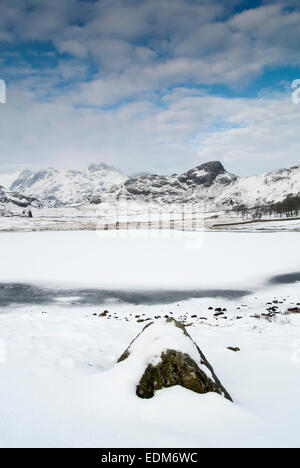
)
(262, 190)
(208, 184)
(211, 185)
(200, 184)
(15, 203)
(67, 187)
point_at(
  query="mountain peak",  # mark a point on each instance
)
(206, 174)
(214, 167)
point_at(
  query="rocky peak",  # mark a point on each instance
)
(213, 167)
(208, 173)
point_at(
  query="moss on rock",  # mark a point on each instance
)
(177, 368)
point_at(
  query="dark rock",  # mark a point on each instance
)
(233, 349)
(177, 368)
(104, 314)
(207, 173)
(294, 310)
(218, 314)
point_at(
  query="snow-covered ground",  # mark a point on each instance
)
(59, 381)
(283, 224)
(96, 217)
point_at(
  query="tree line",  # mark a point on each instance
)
(289, 207)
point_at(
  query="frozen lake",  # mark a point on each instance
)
(219, 261)
(25, 294)
(88, 268)
(58, 373)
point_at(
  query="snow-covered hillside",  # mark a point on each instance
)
(15, 203)
(211, 185)
(258, 190)
(67, 187)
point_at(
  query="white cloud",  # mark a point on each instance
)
(161, 41)
(124, 112)
(185, 129)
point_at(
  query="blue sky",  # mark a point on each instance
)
(149, 85)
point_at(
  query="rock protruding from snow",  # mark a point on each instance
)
(167, 356)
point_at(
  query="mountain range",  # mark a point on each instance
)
(208, 184)
(57, 188)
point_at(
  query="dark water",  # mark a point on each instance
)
(289, 278)
(26, 294)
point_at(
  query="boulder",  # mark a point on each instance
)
(164, 355)
(294, 310)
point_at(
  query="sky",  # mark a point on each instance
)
(150, 85)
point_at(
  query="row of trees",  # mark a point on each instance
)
(288, 208)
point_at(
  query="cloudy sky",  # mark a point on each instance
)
(150, 85)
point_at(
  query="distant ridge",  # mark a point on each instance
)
(56, 188)
(209, 184)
